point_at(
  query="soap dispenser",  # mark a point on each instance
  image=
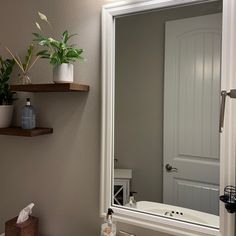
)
(28, 116)
(108, 228)
(132, 202)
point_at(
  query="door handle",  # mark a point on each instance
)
(170, 168)
(222, 110)
(224, 94)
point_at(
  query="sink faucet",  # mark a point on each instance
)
(167, 213)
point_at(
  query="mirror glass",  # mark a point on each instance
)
(166, 121)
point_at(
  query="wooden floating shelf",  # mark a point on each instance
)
(17, 131)
(43, 88)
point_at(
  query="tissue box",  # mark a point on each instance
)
(28, 228)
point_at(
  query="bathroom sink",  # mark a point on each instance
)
(123, 174)
(179, 213)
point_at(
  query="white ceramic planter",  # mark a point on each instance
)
(6, 112)
(63, 73)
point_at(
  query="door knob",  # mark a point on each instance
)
(170, 168)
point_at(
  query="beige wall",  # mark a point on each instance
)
(140, 45)
(59, 172)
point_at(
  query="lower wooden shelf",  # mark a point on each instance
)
(17, 131)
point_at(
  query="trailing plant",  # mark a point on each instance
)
(28, 62)
(6, 67)
(57, 51)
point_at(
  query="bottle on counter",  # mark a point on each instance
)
(108, 228)
(28, 116)
(132, 202)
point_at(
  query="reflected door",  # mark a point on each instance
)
(191, 113)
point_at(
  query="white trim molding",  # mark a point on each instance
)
(228, 137)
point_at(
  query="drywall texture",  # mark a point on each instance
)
(139, 92)
(59, 172)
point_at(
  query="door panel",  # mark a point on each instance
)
(196, 195)
(191, 112)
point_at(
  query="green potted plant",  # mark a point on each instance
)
(6, 96)
(60, 53)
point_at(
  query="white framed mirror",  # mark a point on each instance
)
(163, 161)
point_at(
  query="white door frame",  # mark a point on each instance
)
(227, 153)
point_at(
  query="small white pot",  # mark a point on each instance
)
(6, 112)
(63, 73)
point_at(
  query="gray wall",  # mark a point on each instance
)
(59, 172)
(140, 44)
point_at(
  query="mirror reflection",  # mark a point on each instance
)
(167, 102)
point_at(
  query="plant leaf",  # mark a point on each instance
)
(72, 35)
(43, 53)
(6, 67)
(28, 57)
(65, 36)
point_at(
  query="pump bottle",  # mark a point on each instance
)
(28, 116)
(108, 228)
